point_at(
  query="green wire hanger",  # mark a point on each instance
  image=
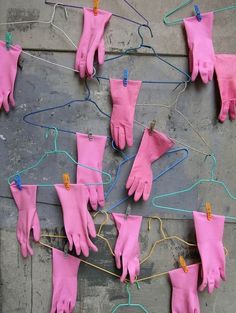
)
(186, 3)
(130, 304)
(212, 180)
(58, 151)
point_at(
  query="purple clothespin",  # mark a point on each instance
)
(197, 13)
(18, 182)
(125, 78)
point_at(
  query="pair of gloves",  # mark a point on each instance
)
(185, 285)
(203, 61)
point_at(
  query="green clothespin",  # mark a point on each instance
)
(8, 40)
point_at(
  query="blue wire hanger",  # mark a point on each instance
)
(113, 14)
(185, 3)
(212, 180)
(163, 172)
(57, 151)
(154, 54)
(130, 304)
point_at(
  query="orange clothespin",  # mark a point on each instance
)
(66, 181)
(183, 264)
(95, 6)
(208, 210)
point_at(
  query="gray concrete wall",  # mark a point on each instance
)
(25, 285)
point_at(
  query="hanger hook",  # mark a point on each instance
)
(56, 133)
(129, 293)
(54, 11)
(214, 164)
(161, 225)
(140, 35)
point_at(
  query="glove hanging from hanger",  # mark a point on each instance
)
(79, 225)
(28, 220)
(64, 279)
(90, 149)
(91, 41)
(201, 50)
(225, 66)
(153, 145)
(8, 69)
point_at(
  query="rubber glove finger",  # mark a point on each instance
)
(84, 248)
(194, 70)
(53, 308)
(204, 70)
(36, 228)
(93, 197)
(59, 308)
(112, 130)
(11, 99)
(100, 193)
(82, 63)
(23, 247)
(67, 307)
(101, 51)
(130, 181)
(211, 284)
(147, 191)
(134, 186)
(1, 101)
(29, 248)
(217, 280)
(124, 269)
(76, 240)
(121, 138)
(224, 110)
(116, 135)
(232, 109)
(19, 235)
(91, 226)
(91, 53)
(117, 257)
(70, 240)
(129, 136)
(204, 283)
(5, 103)
(131, 270)
(139, 191)
(222, 273)
(92, 245)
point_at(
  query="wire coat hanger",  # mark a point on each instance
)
(154, 53)
(58, 151)
(185, 3)
(129, 304)
(212, 180)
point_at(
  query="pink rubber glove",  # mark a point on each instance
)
(184, 290)
(8, 69)
(225, 67)
(79, 225)
(152, 147)
(122, 118)
(65, 270)
(90, 153)
(209, 241)
(25, 200)
(127, 245)
(91, 41)
(201, 51)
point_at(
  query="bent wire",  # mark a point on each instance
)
(212, 180)
(182, 5)
(113, 14)
(155, 54)
(163, 172)
(130, 304)
(57, 151)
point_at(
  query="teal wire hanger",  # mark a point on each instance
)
(130, 304)
(58, 151)
(129, 51)
(212, 180)
(182, 5)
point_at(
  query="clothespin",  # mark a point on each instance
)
(197, 13)
(8, 40)
(208, 210)
(66, 181)
(125, 77)
(90, 136)
(95, 6)
(152, 126)
(18, 182)
(128, 211)
(183, 264)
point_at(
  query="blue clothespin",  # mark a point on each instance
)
(197, 13)
(18, 182)
(8, 40)
(125, 79)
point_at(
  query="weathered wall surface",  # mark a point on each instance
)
(25, 285)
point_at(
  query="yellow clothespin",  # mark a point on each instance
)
(208, 210)
(66, 181)
(183, 264)
(152, 126)
(95, 6)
